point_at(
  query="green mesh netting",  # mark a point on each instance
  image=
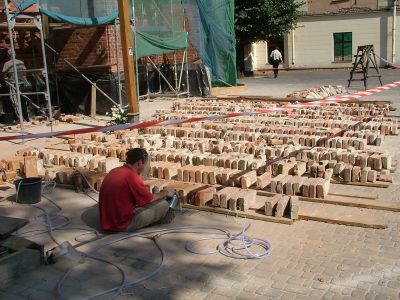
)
(160, 26)
(77, 12)
(212, 33)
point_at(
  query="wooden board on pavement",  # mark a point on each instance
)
(339, 215)
(252, 214)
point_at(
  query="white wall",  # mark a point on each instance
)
(314, 47)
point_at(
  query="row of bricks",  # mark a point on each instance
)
(305, 112)
(209, 175)
(293, 126)
(78, 160)
(384, 125)
(377, 161)
(297, 185)
(304, 130)
(261, 104)
(228, 106)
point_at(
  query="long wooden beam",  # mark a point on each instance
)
(125, 10)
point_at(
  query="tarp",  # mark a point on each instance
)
(160, 27)
(212, 33)
(76, 12)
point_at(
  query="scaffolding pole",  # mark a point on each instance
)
(116, 42)
(11, 24)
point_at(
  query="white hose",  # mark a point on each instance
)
(230, 248)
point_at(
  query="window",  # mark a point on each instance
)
(343, 46)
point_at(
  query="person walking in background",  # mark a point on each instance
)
(276, 59)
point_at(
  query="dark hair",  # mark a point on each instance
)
(136, 154)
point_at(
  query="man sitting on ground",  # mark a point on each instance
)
(125, 204)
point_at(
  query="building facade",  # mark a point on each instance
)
(330, 39)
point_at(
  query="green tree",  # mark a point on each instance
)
(263, 20)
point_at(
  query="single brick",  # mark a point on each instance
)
(270, 205)
(294, 207)
(282, 206)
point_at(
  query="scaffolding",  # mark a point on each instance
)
(15, 87)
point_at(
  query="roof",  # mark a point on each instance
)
(352, 11)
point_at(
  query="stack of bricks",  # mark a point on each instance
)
(25, 166)
(282, 205)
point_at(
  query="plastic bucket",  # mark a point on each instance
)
(29, 190)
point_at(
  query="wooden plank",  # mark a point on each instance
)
(347, 201)
(360, 195)
(382, 185)
(254, 215)
(332, 215)
(9, 225)
(93, 104)
(354, 202)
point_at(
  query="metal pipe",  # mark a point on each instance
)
(27, 93)
(133, 26)
(83, 75)
(187, 72)
(116, 42)
(159, 77)
(147, 78)
(29, 71)
(180, 75)
(394, 32)
(10, 32)
(175, 73)
(46, 77)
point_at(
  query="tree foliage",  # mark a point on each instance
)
(257, 20)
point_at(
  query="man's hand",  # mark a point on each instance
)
(170, 192)
(165, 193)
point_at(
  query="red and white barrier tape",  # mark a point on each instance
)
(139, 125)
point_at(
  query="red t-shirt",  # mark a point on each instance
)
(120, 191)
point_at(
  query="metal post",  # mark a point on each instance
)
(394, 32)
(147, 78)
(116, 42)
(39, 24)
(11, 24)
(187, 73)
(175, 74)
(135, 47)
(181, 72)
